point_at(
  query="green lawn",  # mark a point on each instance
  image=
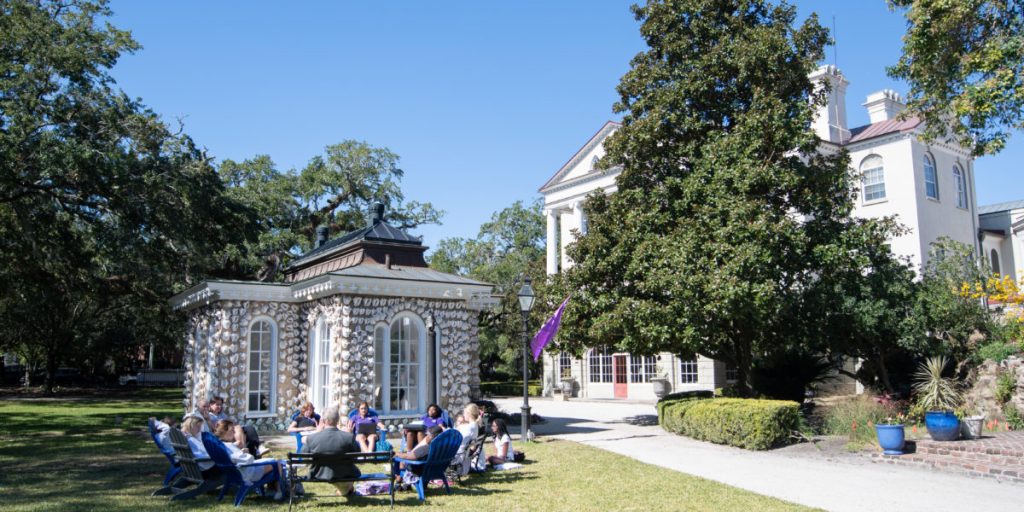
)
(69, 454)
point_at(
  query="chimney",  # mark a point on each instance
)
(830, 120)
(375, 214)
(884, 105)
(322, 233)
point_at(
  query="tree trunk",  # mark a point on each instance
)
(52, 362)
(743, 364)
(883, 374)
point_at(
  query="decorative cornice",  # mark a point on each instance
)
(587, 178)
(594, 141)
(476, 296)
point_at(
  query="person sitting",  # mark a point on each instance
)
(330, 441)
(364, 426)
(203, 412)
(227, 431)
(420, 451)
(433, 417)
(503, 451)
(216, 412)
(162, 427)
(466, 424)
(192, 427)
(306, 421)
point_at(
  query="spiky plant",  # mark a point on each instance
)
(934, 391)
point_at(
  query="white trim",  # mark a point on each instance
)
(421, 366)
(476, 296)
(272, 377)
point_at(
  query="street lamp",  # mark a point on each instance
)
(526, 299)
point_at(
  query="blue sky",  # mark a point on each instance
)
(483, 101)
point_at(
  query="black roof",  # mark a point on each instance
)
(378, 231)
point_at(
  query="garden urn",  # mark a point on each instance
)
(891, 438)
(661, 387)
(970, 427)
(942, 425)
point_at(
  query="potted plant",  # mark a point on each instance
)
(891, 435)
(939, 397)
(970, 423)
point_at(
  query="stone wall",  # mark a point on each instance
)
(223, 341)
(981, 396)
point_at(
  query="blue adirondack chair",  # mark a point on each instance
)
(172, 471)
(442, 450)
(298, 435)
(382, 444)
(232, 477)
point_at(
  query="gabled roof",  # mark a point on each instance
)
(1000, 207)
(593, 142)
(870, 131)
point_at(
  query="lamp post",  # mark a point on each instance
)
(526, 299)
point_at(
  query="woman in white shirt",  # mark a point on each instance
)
(225, 431)
(503, 451)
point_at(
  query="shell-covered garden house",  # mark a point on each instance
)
(359, 317)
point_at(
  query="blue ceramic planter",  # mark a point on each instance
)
(942, 426)
(891, 438)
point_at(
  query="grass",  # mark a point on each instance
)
(69, 454)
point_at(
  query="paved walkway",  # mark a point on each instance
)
(841, 484)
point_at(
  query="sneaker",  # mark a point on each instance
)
(263, 451)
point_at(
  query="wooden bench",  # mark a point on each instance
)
(303, 461)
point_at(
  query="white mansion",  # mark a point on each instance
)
(929, 187)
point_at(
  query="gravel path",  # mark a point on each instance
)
(829, 479)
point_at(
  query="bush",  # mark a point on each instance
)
(854, 418)
(746, 423)
(788, 374)
(1014, 418)
(510, 388)
(1006, 383)
(996, 351)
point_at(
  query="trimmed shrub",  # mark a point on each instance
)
(746, 423)
(679, 398)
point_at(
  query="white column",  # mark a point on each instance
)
(552, 242)
(581, 217)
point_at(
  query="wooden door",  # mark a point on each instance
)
(619, 376)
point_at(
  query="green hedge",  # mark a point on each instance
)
(746, 423)
(510, 388)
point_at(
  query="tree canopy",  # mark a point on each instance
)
(964, 62)
(334, 190)
(104, 207)
(508, 247)
(726, 213)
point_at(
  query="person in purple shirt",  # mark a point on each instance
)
(366, 441)
(433, 418)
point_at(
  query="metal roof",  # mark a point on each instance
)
(870, 131)
(380, 231)
(424, 274)
(1000, 207)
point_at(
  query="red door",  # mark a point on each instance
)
(619, 376)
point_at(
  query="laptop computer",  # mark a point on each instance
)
(366, 429)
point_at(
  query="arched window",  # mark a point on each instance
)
(931, 180)
(873, 178)
(320, 369)
(600, 362)
(960, 183)
(262, 366)
(994, 256)
(400, 365)
(379, 340)
(688, 370)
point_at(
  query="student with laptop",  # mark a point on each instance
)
(364, 426)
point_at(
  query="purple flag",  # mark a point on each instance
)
(547, 333)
